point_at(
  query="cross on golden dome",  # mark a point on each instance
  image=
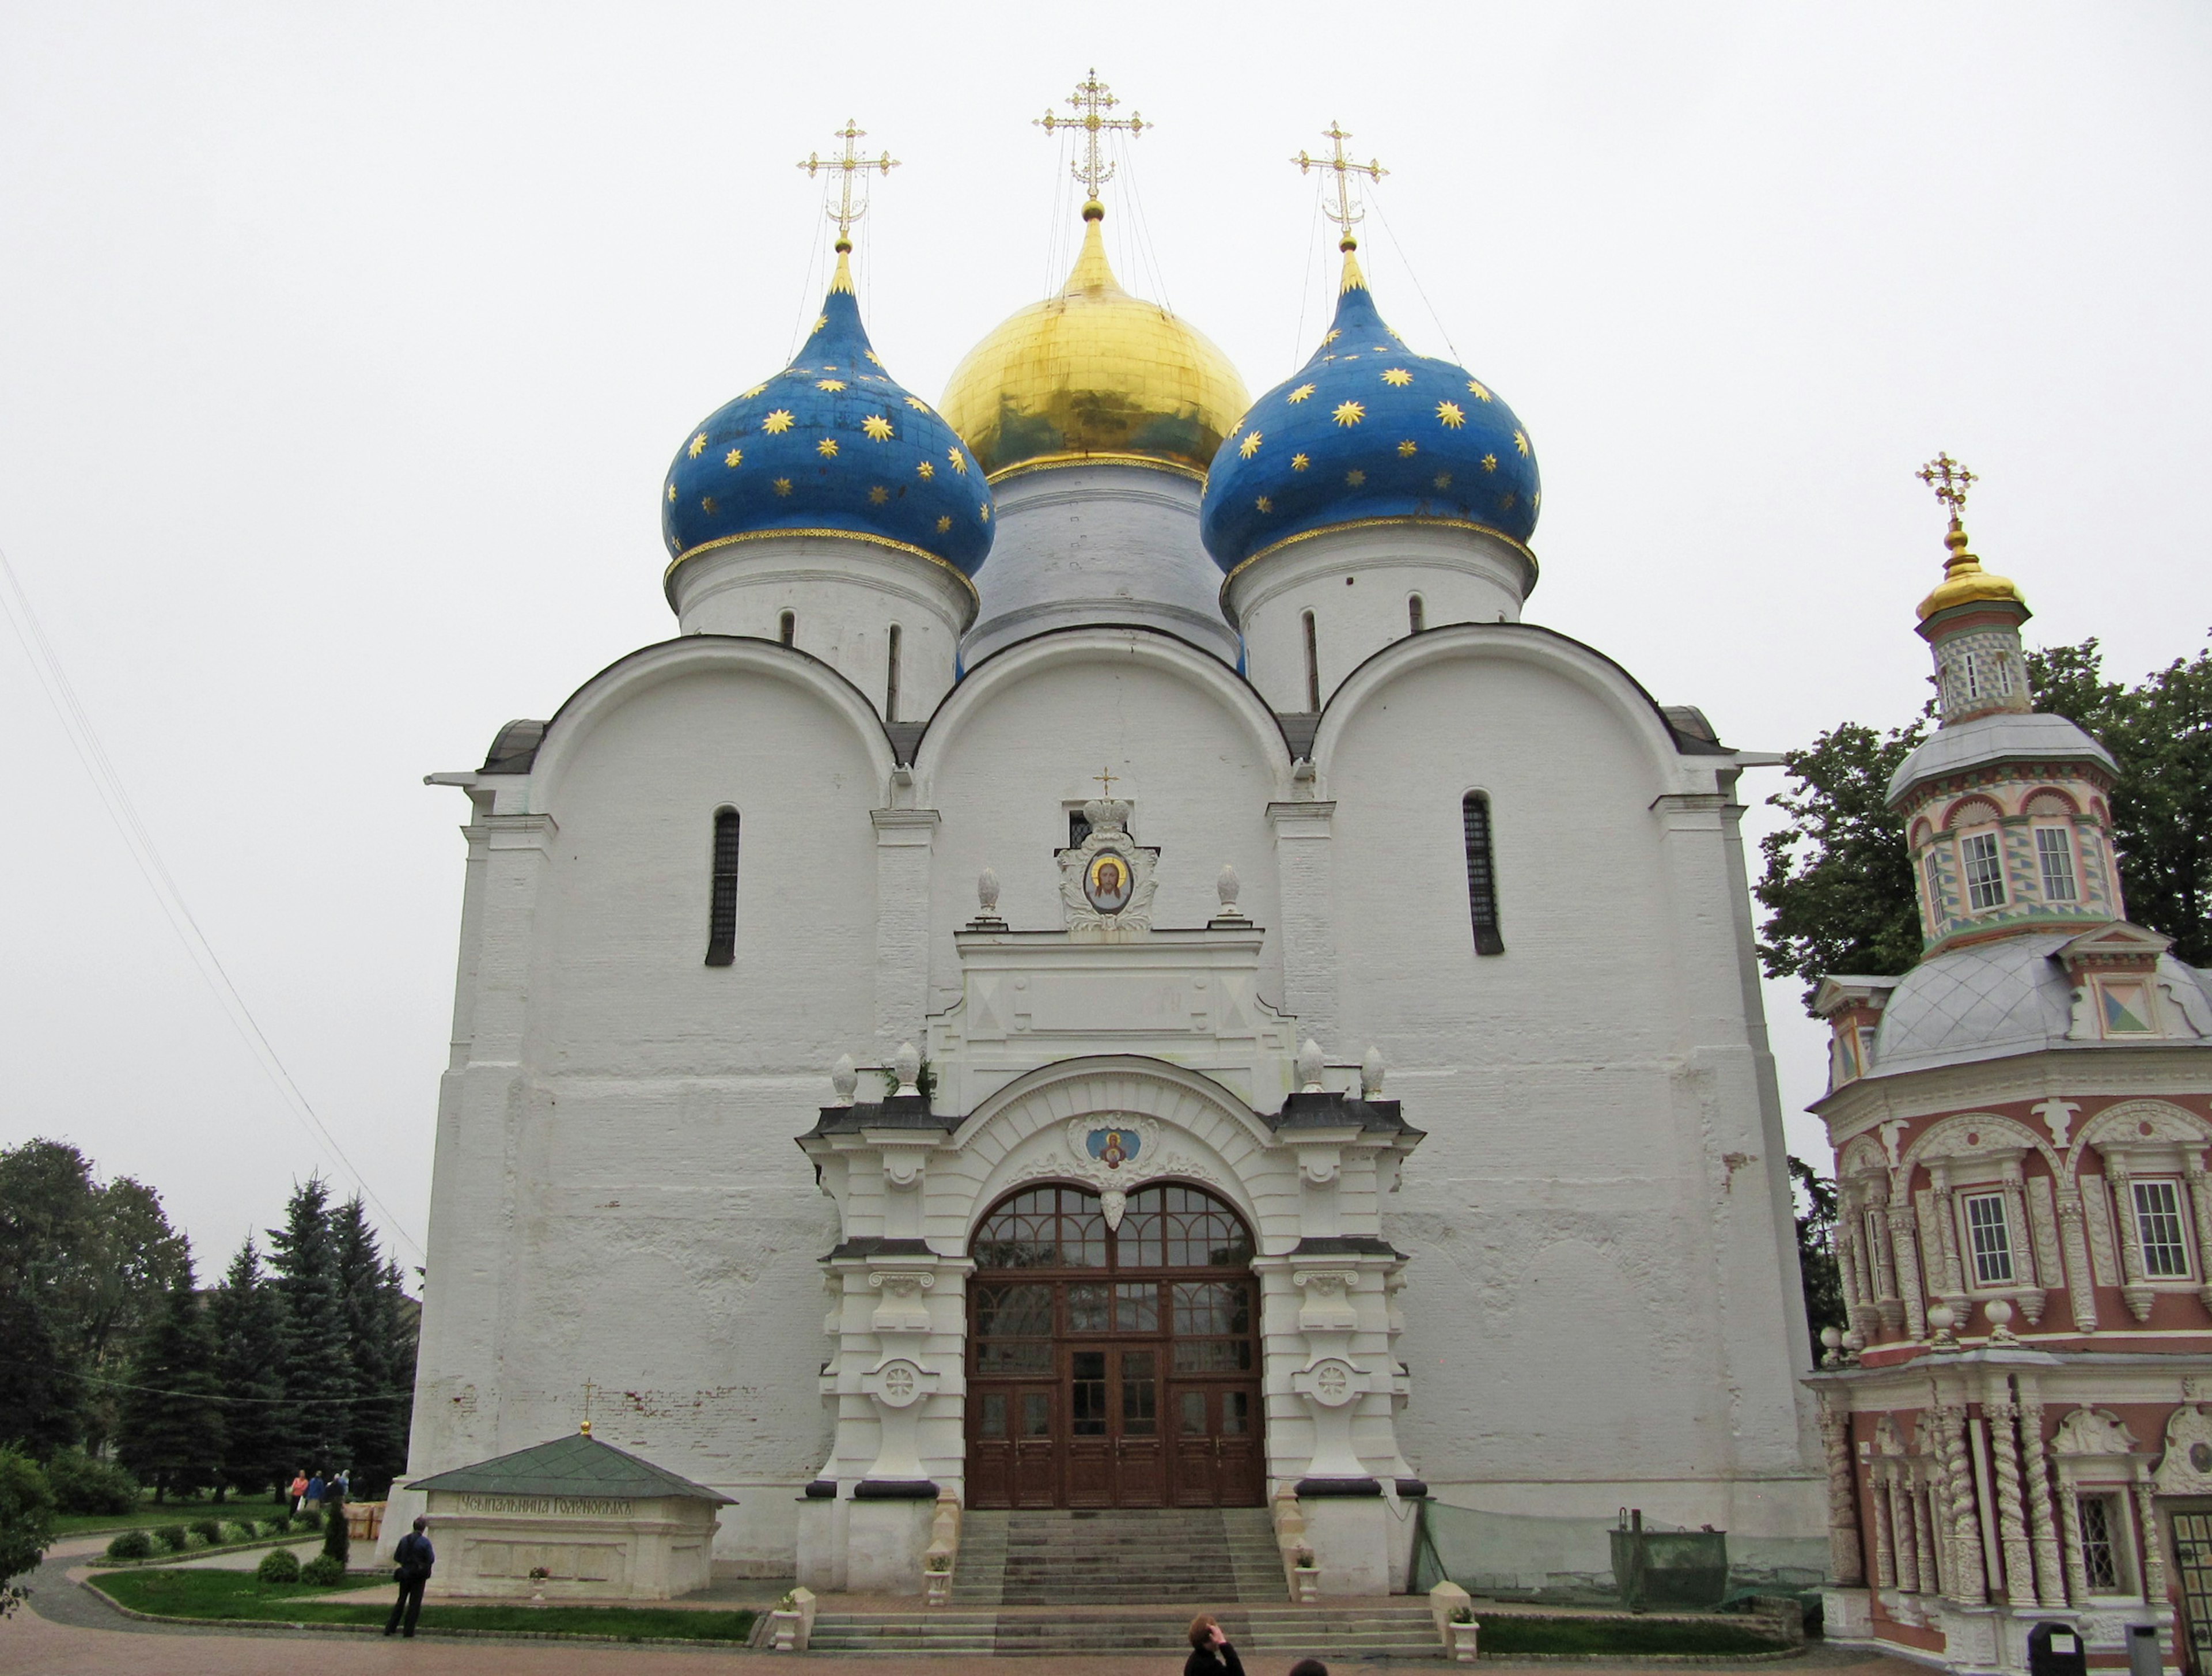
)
(1344, 214)
(1091, 101)
(1950, 480)
(849, 165)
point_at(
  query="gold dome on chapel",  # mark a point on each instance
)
(1094, 374)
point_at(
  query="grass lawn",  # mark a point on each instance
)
(150, 1517)
(235, 1594)
(1503, 1635)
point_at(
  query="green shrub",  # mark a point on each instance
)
(324, 1572)
(131, 1545)
(175, 1537)
(85, 1483)
(338, 1541)
(209, 1530)
(277, 1566)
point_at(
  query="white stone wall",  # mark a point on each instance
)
(1603, 1306)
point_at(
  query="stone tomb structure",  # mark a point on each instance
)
(602, 1524)
(1099, 791)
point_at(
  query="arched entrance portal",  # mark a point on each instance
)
(1112, 1367)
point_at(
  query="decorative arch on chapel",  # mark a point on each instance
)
(1972, 810)
(2123, 1125)
(1971, 1135)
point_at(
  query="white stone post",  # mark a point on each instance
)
(1846, 1561)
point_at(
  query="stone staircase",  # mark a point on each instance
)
(1126, 1581)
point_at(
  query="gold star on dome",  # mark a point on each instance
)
(1396, 376)
(734, 457)
(1264, 504)
(959, 460)
(827, 448)
(1334, 335)
(1300, 393)
(1490, 462)
(1536, 500)
(877, 426)
(1249, 445)
(1442, 479)
(830, 384)
(1406, 447)
(698, 445)
(944, 523)
(1355, 477)
(1350, 412)
(1449, 411)
(707, 505)
(820, 320)
(878, 495)
(917, 403)
(1506, 502)
(783, 485)
(1480, 394)
(750, 393)
(873, 356)
(1299, 462)
(925, 470)
(1521, 441)
(671, 494)
(984, 513)
(777, 422)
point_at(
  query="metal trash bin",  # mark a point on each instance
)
(2055, 1649)
(2143, 1656)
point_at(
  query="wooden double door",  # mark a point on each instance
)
(1113, 1367)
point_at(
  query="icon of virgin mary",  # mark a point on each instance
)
(1107, 883)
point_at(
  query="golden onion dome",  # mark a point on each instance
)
(1965, 581)
(1094, 374)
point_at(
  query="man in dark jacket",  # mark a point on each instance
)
(416, 1559)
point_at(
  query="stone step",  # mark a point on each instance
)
(1364, 1629)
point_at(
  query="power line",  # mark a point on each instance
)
(406, 1396)
(84, 738)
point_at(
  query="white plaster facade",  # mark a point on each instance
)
(1564, 1281)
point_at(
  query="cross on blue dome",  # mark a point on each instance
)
(831, 444)
(1367, 430)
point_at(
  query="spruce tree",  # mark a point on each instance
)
(316, 1368)
(171, 1425)
(376, 1435)
(248, 1321)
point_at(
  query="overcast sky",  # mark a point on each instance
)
(342, 348)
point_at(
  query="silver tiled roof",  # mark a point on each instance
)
(1992, 739)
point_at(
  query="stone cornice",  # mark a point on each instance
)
(2092, 1070)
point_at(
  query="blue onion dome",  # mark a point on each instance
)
(832, 445)
(1367, 430)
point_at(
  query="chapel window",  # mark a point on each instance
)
(2100, 1551)
(1482, 874)
(2054, 852)
(786, 626)
(1970, 671)
(890, 678)
(1984, 871)
(1935, 869)
(1990, 1239)
(1416, 614)
(722, 894)
(2158, 1226)
(1313, 664)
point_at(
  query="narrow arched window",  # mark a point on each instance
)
(786, 627)
(1482, 874)
(1416, 614)
(722, 896)
(891, 678)
(1312, 665)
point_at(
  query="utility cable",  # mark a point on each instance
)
(1376, 199)
(84, 738)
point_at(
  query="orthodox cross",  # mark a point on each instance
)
(588, 1388)
(847, 166)
(1092, 100)
(1105, 778)
(1950, 480)
(1344, 168)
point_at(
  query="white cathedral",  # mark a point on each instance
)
(1104, 964)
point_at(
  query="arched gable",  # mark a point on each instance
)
(651, 666)
(1973, 1134)
(1971, 810)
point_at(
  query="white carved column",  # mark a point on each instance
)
(1969, 1577)
(1925, 1526)
(2074, 1242)
(1879, 1486)
(1852, 1267)
(2069, 1526)
(2042, 1512)
(1953, 1285)
(903, 839)
(2027, 1272)
(2153, 1552)
(1304, 868)
(2200, 1203)
(1846, 1564)
(2135, 1288)
(2011, 1513)
(1904, 1244)
(1905, 1536)
(1886, 1299)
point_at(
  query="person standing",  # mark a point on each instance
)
(299, 1492)
(1211, 1655)
(314, 1500)
(415, 1559)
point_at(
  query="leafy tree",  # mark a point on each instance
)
(1816, 1253)
(91, 1262)
(26, 1522)
(172, 1429)
(247, 1320)
(318, 1368)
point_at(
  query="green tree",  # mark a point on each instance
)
(247, 1320)
(318, 1370)
(92, 1262)
(1817, 1266)
(338, 1538)
(172, 1429)
(26, 1522)
(381, 1343)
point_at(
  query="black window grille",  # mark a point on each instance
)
(1416, 613)
(890, 679)
(722, 898)
(786, 627)
(1312, 665)
(1482, 874)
